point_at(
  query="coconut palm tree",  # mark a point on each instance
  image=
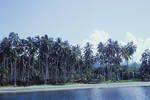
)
(88, 61)
(145, 65)
(128, 51)
(14, 42)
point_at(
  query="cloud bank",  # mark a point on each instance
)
(102, 36)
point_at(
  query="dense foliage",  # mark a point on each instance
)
(145, 66)
(43, 60)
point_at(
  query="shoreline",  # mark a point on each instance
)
(44, 88)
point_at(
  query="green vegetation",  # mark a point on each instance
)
(43, 60)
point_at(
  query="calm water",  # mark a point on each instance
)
(130, 93)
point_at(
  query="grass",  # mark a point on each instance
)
(71, 83)
(120, 81)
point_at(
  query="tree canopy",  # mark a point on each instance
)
(44, 60)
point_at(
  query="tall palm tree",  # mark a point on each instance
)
(88, 61)
(128, 51)
(145, 65)
(5, 53)
(109, 54)
(14, 42)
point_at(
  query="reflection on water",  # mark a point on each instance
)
(94, 96)
(133, 93)
(129, 93)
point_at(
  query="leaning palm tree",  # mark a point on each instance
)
(127, 54)
(128, 51)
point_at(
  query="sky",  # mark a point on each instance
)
(79, 21)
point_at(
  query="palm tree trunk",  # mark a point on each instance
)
(15, 73)
(11, 71)
(28, 75)
(47, 71)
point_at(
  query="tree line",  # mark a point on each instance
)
(44, 60)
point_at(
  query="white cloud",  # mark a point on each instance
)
(141, 43)
(130, 37)
(102, 36)
(96, 37)
(99, 36)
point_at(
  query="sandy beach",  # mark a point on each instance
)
(40, 88)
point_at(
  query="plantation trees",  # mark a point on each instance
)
(44, 60)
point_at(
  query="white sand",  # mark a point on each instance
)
(69, 87)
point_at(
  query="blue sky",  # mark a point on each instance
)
(78, 20)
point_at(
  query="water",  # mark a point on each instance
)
(129, 93)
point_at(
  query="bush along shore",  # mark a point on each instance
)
(44, 60)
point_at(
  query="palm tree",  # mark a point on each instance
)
(88, 61)
(77, 62)
(128, 51)
(109, 55)
(14, 42)
(145, 65)
(5, 53)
